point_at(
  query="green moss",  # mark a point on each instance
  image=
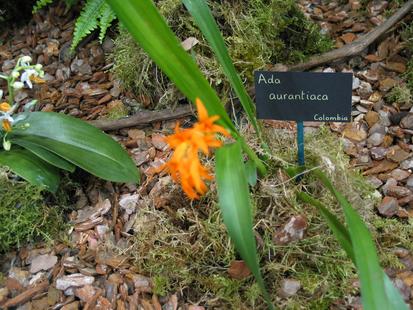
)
(136, 71)
(224, 288)
(407, 36)
(116, 111)
(161, 285)
(24, 217)
(400, 96)
(252, 294)
(257, 32)
(164, 248)
(408, 75)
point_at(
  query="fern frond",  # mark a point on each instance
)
(40, 4)
(106, 18)
(87, 21)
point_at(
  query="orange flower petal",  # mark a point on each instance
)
(184, 165)
(213, 119)
(202, 144)
(6, 125)
(5, 107)
(220, 129)
(188, 189)
(202, 111)
(196, 175)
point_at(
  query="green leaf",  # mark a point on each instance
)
(251, 172)
(150, 30)
(233, 194)
(369, 270)
(47, 156)
(338, 229)
(372, 280)
(393, 294)
(31, 168)
(203, 17)
(77, 142)
(40, 4)
(343, 237)
(87, 21)
(105, 19)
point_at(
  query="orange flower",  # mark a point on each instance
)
(6, 125)
(4, 107)
(185, 166)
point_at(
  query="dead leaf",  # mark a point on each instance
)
(189, 43)
(238, 270)
(348, 37)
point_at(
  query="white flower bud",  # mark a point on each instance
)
(6, 145)
(26, 59)
(15, 74)
(38, 67)
(18, 85)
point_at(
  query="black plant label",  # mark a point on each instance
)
(303, 96)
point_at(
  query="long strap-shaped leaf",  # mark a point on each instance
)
(376, 288)
(338, 229)
(31, 168)
(150, 30)
(235, 205)
(344, 239)
(202, 14)
(393, 294)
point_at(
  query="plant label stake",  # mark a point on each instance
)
(303, 96)
(300, 143)
(300, 147)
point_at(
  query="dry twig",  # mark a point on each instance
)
(143, 119)
(358, 45)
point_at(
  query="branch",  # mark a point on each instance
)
(144, 118)
(358, 45)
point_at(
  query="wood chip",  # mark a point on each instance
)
(27, 295)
